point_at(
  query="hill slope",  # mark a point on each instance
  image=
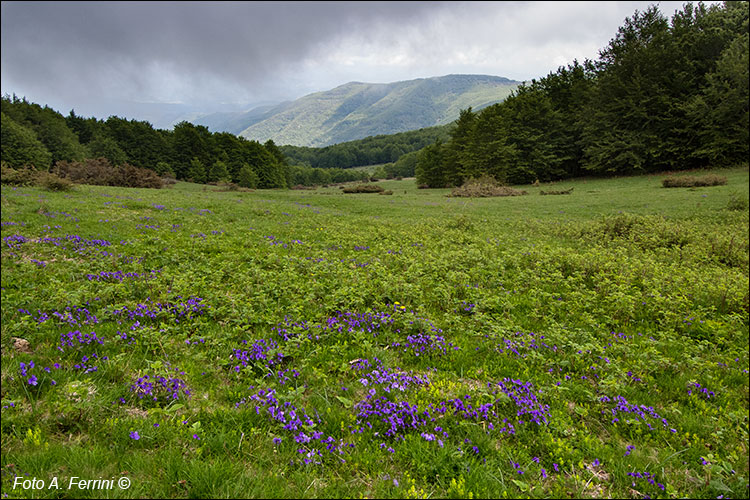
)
(357, 110)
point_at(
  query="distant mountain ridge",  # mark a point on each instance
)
(357, 110)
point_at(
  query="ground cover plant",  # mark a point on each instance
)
(206, 343)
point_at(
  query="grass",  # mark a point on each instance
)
(583, 321)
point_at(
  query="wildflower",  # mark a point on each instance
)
(135, 436)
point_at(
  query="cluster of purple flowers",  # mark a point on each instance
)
(396, 418)
(84, 364)
(640, 411)
(77, 241)
(190, 308)
(700, 390)
(15, 240)
(425, 343)
(518, 344)
(648, 477)
(159, 388)
(76, 339)
(272, 240)
(387, 379)
(71, 316)
(393, 418)
(25, 370)
(299, 423)
(342, 322)
(258, 351)
(120, 276)
(466, 307)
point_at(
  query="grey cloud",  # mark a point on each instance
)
(118, 46)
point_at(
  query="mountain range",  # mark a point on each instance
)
(357, 110)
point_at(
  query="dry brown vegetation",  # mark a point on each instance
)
(693, 181)
(484, 187)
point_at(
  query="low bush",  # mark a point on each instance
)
(29, 176)
(364, 188)
(484, 187)
(25, 176)
(692, 181)
(99, 172)
(737, 202)
(565, 191)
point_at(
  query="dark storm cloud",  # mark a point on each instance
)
(147, 49)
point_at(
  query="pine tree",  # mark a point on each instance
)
(247, 177)
(197, 172)
(217, 172)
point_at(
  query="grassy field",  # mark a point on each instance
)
(195, 343)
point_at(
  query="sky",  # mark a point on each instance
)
(106, 58)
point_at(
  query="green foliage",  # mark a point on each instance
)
(247, 177)
(102, 146)
(49, 126)
(42, 136)
(196, 172)
(429, 168)
(20, 146)
(617, 290)
(217, 172)
(164, 169)
(664, 95)
(372, 150)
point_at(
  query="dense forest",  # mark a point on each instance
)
(663, 95)
(374, 150)
(43, 138)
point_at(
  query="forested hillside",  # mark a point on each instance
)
(663, 95)
(357, 110)
(41, 137)
(368, 151)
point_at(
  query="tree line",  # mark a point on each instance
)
(41, 137)
(663, 95)
(373, 150)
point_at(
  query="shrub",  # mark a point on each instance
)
(565, 191)
(737, 202)
(223, 186)
(25, 176)
(99, 172)
(364, 188)
(53, 182)
(484, 187)
(692, 181)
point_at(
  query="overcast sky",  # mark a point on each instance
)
(95, 56)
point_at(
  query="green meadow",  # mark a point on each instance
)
(194, 342)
